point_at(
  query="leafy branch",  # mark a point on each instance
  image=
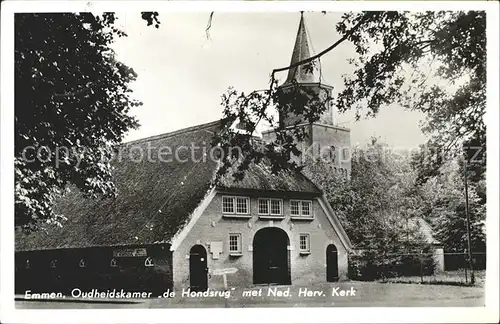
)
(250, 110)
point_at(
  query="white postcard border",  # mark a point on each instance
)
(293, 314)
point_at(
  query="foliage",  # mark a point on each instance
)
(445, 209)
(151, 18)
(379, 206)
(249, 110)
(383, 196)
(362, 265)
(72, 100)
(451, 91)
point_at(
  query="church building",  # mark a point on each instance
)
(323, 137)
(169, 227)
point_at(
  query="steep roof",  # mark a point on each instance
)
(154, 198)
(424, 228)
(301, 51)
(259, 177)
(156, 195)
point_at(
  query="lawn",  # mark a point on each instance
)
(458, 277)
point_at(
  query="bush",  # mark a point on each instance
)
(369, 265)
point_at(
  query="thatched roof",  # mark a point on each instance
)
(424, 228)
(155, 199)
(259, 177)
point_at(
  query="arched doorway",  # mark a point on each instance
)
(198, 269)
(332, 265)
(271, 261)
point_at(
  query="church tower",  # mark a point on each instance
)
(324, 138)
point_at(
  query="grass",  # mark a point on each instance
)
(452, 278)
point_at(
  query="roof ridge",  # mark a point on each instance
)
(173, 133)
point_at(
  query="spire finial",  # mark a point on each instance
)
(301, 52)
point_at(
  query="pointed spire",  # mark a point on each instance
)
(301, 51)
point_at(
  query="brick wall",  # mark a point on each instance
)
(320, 139)
(326, 136)
(213, 226)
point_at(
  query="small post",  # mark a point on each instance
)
(464, 255)
(467, 217)
(223, 273)
(224, 278)
(421, 267)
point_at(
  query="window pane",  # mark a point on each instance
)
(306, 208)
(294, 208)
(332, 153)
(227, 205)
(276, 207)
(345, 154)
(304, 242)
(263, 206)
(241, 205)
(234, 242)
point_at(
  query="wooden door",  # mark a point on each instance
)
(198, 269)
(332, 267)
(270, 257)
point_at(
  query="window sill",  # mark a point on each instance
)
(304, 218)
(305, 252)
(236, 216)
(235, 254)
(272, 216)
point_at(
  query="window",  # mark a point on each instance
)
(301, 208)
(241, 205)
(304, 244)
(345, 154)
(295, 208)
(270, 207)
(263, 206)
(332, 153)
(235, 205)
(235, 243)
(228, 205)
(276, 207)
(234, 153)
(306, 208)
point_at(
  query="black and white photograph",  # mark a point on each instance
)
(269, 157)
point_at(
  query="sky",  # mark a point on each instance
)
(182, 74)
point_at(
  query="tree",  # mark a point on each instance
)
(445, 52)
(445, 209)
(379, 207)
(72, 99)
